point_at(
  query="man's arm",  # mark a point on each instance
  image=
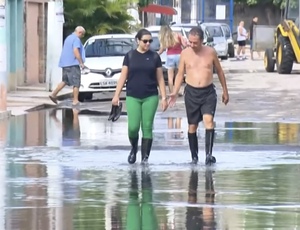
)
(180, 74)
(76, 48)
(220, 72)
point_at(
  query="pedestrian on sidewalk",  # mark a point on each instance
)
(174, 43)
(253, 23)
(142, 72)
(241, 39)
(200, 94)
(71, 61)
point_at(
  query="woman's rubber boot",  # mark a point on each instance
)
(145, 149)
(134, 149)
(112, 112)
(118, 112)
(193, 143)
(209, 143)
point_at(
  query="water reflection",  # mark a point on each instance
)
(201, 218)
(141, 214)
(82, 188)
(71, 127)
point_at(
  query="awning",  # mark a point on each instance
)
(159, 9)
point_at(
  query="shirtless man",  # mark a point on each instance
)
(200, 94)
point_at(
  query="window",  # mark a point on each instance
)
(155, 45)
(226, 31)
(214, 31)
(109, 47)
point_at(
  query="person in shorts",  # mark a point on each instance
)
(71, 61)
(174, 43)
(241, 40)
(200, 95)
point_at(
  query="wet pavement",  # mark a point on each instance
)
(67, 169)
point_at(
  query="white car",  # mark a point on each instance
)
(104, 59)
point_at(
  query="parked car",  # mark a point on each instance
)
(228, 35)
(213, 30)
(104, 58)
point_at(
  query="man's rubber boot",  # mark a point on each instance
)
(117, 112)
(134, 150)
(209, 143)
(112, 112)
(193, 143)
(145, 149)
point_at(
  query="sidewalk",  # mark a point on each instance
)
(249, 66)
(30, 98)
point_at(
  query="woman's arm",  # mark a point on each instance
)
(161, 50)
(121, 81)
(182, 40)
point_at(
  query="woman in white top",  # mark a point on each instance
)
(241, 39)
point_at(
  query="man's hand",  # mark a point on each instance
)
(172, 100)
(82, 66)
(225, 97)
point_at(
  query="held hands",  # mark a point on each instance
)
(172, 99)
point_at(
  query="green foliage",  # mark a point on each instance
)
(97, 16)
(279, 3)
(143, 3)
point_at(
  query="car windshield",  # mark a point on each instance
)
(214, 31)
(187, 31)
(226, 30)
(109, 47)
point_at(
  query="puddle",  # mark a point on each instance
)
(67, 170)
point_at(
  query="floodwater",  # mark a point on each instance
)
(67, 169)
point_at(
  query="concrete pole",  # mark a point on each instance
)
(3, 57)
(54, 44)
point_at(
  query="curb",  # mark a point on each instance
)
(226, 71)
(64, 96)
(40, 107)
(5, 114)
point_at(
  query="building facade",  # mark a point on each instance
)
(26, 55)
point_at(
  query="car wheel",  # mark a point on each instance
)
(231, 50)
(224, 58)
(85, 96)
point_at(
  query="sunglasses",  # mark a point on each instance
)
(146, 41)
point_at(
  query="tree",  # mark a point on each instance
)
(97, 16)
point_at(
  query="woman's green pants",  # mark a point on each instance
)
(141, 113)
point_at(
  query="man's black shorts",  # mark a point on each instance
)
(199, 101)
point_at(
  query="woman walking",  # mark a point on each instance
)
(142, 72)
(173, 43)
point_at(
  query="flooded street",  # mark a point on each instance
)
(64, 169)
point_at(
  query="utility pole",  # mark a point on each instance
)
(3, 57)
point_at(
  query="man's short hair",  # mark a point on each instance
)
(197, 31)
